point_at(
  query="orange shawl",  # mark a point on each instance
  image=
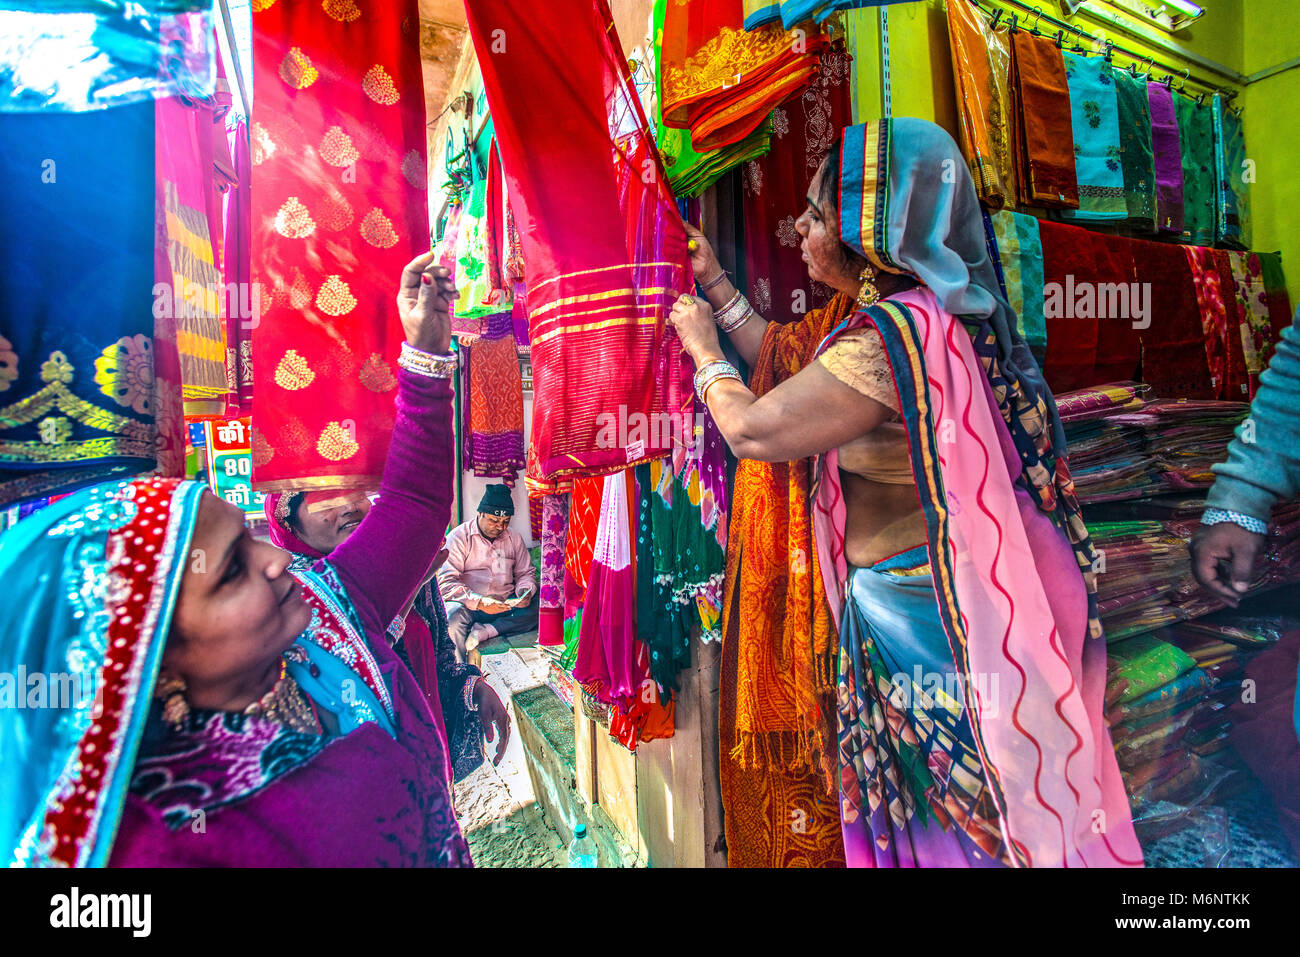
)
(778, 756)
(981, 64)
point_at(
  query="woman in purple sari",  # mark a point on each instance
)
(216, 702)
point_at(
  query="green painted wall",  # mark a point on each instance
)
(1272, 126)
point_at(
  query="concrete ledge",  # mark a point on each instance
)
(544, 725)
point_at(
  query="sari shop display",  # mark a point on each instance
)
(597, 297)
(1092, 142)
(338, 144)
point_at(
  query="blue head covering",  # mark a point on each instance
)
(94, 578)
(908, 205)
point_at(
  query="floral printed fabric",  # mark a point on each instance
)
(1094, 120)
(1252, 313)
(1196, 140)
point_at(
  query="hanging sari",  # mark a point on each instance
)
(1094, 122)
(1196, 140)
(981, 65)
(339, 208)
(555, 527)
(1232, 190)
(495, 438)
(941, 764)
(102, 779)
(1020, 249)
(1168, 158)
(1040, 115)
(1214, 315)
(597, 297)
(1136, 157)
(606, 643)
(790, 13)
(719, 80)
(80, 400)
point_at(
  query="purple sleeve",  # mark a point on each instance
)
(386, 559)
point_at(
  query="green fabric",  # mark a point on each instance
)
(1020, 249)
(1196, 139)
(1136, 155)
(1232, 199)
(678, 562)
(1146, 663)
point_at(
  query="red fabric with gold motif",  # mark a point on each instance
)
(339, 208)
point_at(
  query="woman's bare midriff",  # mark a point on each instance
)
(882, 520)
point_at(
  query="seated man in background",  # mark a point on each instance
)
(487, 581)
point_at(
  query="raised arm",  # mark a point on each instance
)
(386, 559)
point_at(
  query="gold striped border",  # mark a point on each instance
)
(588, 272)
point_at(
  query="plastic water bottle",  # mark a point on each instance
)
(582, 850)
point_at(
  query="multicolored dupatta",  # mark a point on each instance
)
(339, 208)
(597, 296)
(999, 503)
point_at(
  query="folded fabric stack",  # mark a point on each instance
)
(720, 81)
(1169, 698)
(1154, 691)
(1123, 446)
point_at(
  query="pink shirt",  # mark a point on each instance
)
(478, 569)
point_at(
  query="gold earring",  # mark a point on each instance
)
(171, 692)
(868, 294)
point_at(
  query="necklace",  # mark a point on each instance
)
(286, 704)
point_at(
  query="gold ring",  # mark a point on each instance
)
(686, 298)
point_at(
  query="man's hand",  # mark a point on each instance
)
(493, 607)
(493, 718)
(525, 599)
(1227, 544)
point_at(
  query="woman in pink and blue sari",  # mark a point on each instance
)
(954, 558)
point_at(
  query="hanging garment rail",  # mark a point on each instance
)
(1106, 46)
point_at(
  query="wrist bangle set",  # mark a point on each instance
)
(734, 314)
(706, 286)
(427, 363)
(1216, 516)
(710, 373)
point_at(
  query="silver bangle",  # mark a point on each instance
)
(736, 307)
(731, 325)
(427, 363)
(711, 372)
(706, 286)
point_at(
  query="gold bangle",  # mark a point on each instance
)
(427, 363)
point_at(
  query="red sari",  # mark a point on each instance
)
(604, 243)
(337, 143)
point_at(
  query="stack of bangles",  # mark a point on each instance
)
(427, 363)
(710, 373)
(734, 314)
